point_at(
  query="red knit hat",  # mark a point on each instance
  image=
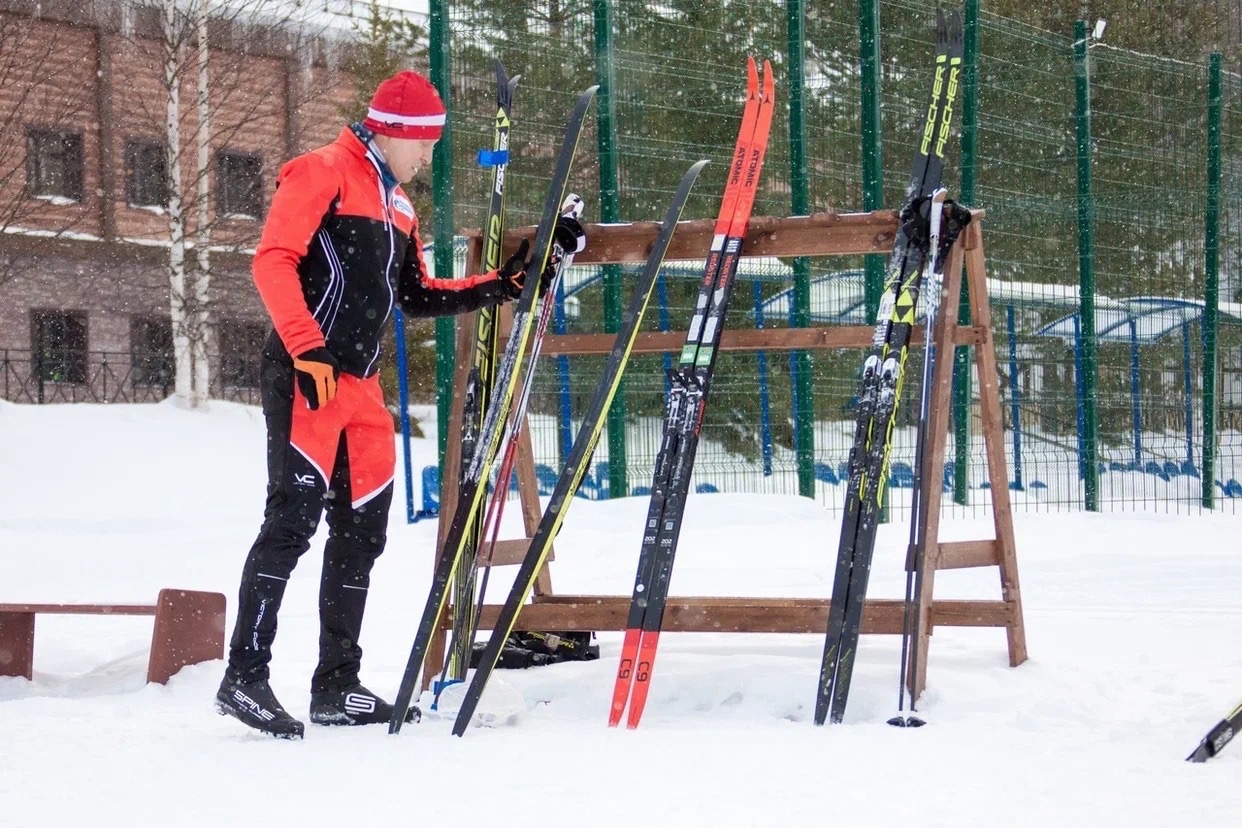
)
(406, 106)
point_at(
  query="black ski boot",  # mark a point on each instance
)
(255, 705)
(354, 705)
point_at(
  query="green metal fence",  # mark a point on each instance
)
(1114, 240)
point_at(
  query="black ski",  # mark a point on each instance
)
(580, 456)
(482, 376)
(1221, 734)
(691, 381)
(472, 489)
(880, 387)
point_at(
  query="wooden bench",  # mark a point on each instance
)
(189, 628)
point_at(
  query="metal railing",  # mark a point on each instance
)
(77, 376)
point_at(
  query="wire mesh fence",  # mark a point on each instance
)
(675, 74)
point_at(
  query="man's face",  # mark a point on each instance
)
(406, 156)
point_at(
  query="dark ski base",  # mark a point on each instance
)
(1221, 734)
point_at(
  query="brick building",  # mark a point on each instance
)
(84, 193)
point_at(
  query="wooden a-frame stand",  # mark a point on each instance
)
(817, 235)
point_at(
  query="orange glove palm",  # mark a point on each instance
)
(317, 371)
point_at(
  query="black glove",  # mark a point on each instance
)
(512, 273)
(568, 238)
(916, 224)
(317, 371)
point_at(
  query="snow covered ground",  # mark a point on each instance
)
(1133, 625)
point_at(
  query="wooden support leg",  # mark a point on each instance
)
(17, 644)
(189, 629)
(994, 446)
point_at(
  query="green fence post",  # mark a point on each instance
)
(872, 148)
(961, 354)
(442, 214)
(1211, 280)
(872, 157)
(1086, 267)
(610, 211)
(804, 416)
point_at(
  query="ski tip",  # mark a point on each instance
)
(752, 77)
(769, 81)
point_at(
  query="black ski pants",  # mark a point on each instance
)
(340, 456)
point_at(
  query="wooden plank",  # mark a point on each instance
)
(767, 339)
(968, 554)
(80, 609)
(821, 234)
(750, 615)
(507, 552)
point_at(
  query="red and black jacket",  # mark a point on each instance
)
(339, 249)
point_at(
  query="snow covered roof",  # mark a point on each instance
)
(1140, 319)
(839, 298)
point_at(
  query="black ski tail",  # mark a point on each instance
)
(1221, 734)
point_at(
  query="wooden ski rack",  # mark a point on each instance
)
(824, 234)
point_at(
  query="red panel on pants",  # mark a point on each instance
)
(358, 410)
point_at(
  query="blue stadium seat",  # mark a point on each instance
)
(950, 468)
(1233, 488)
(825, 474)
(901, 476)
(1038, 484)
(1152, 467)
(1172, 469)
(431, 487)
(1188, 469)
(640, 491)
(706, 488)
(546, 477)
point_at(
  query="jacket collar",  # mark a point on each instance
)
(356, 140)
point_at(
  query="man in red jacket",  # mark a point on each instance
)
(339, 249)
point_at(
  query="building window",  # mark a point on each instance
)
(239, 185)
(151, 351)
(146, 174)
(54, 164)
(58, 339)
(241, 346)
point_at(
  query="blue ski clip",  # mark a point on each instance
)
(493, 158)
